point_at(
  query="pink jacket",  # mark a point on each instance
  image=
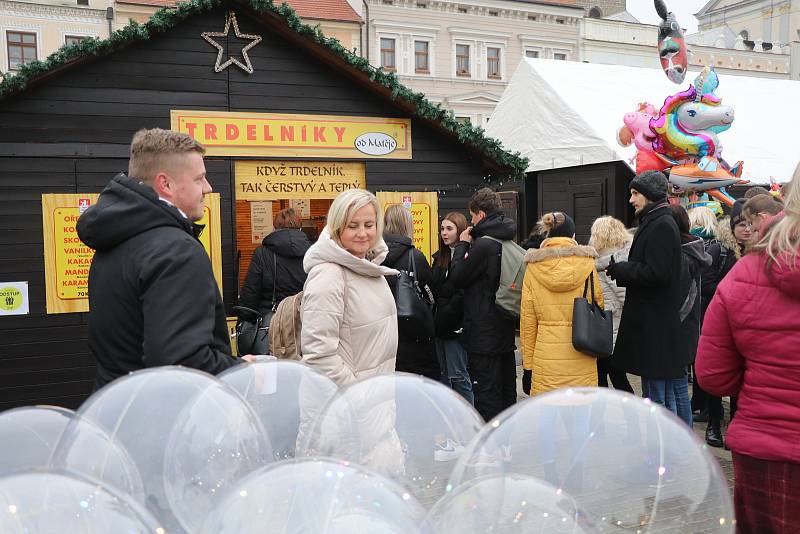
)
(750, 347)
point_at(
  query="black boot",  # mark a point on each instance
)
(701, 416)
(714, 434)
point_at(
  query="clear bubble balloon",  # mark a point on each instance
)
(29, 435)
(286, 395)
(44, 502)
(628, 463)
(507, 503)
(190, 436)
(404, 426)
(308, 496)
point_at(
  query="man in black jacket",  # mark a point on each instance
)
(649, 343)
(152, 294)
(488, 336)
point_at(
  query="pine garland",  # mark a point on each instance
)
(167, 18)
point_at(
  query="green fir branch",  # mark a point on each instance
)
(167, 18)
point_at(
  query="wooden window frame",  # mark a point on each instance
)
(427, 56)
(489, 60)
(468, 72)
(393, 51)
(20, 44)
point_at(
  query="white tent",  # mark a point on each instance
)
(562, 114)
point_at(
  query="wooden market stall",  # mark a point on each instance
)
(289, 118)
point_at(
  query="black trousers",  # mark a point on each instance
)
(618, 378)
(494, 382)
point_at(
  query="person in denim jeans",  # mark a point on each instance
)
(449, 311)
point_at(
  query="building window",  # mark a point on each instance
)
(388, 2)
(21, 48)
(422, 5)
(463, 120)
(493, 63)
(595, 13)
(462, 60)
(74, 39)
(532, 17)
(494, 13)
(559, 21)
(421, 63)
(560, 56)
(83, 2)
(462, 10)
(532, 53)
(388, 54)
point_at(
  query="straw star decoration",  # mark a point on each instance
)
(208, 36)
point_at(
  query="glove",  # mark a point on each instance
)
(610, 270)
(527, 377)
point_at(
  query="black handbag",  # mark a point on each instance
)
(414, 312)
(252, 328)
(592, 327)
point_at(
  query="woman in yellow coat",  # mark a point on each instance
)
(555, 274)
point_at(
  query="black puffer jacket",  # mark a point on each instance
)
(414, 354)
(449, 309)
(476, 269)
(694, 260)
(283, 249)
(152, 294)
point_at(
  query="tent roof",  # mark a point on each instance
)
(283, 20)
(562, 114)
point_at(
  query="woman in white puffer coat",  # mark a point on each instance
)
(611, 239)
(349, 318)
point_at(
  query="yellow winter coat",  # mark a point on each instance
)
(554, 276)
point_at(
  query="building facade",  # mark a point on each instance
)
(461, 54)
(760, 25)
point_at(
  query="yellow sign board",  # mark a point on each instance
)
(424, 209)
(67, 260)
(280, 180)
(287, 135)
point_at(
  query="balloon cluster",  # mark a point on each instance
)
(273, 446)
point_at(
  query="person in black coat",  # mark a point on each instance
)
(449, 311)
(488, 335)
(416, 352)
(277, 265)
(152, 294)
(649, 342)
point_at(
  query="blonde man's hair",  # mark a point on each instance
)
(608, 233)
(782, 240)
(398, 221)
(156, 150)
(344, 208)
(703, 217)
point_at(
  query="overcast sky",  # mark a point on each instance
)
(684, 10)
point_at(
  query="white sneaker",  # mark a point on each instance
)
(447, 451)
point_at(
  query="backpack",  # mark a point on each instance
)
(512, 275)
(284, 329)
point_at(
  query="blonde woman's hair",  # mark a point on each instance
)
(608, 233)
(397, 220)
(344, 208)
(156, 150)
(549, 222)
(703, 217)
(782, 241)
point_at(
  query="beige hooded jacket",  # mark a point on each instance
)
(348, 313)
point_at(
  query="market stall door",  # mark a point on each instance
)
(424, 207)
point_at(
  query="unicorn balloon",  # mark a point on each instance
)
(686, 131)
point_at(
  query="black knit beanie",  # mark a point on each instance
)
(737, 214)
(566, 229)
(651, 184)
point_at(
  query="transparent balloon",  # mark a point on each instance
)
(403, 426)
(29, 435)
(286, 395)
(323, 496)
(43, 502)
(628, 463)
(190, 436)
(506, 503)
